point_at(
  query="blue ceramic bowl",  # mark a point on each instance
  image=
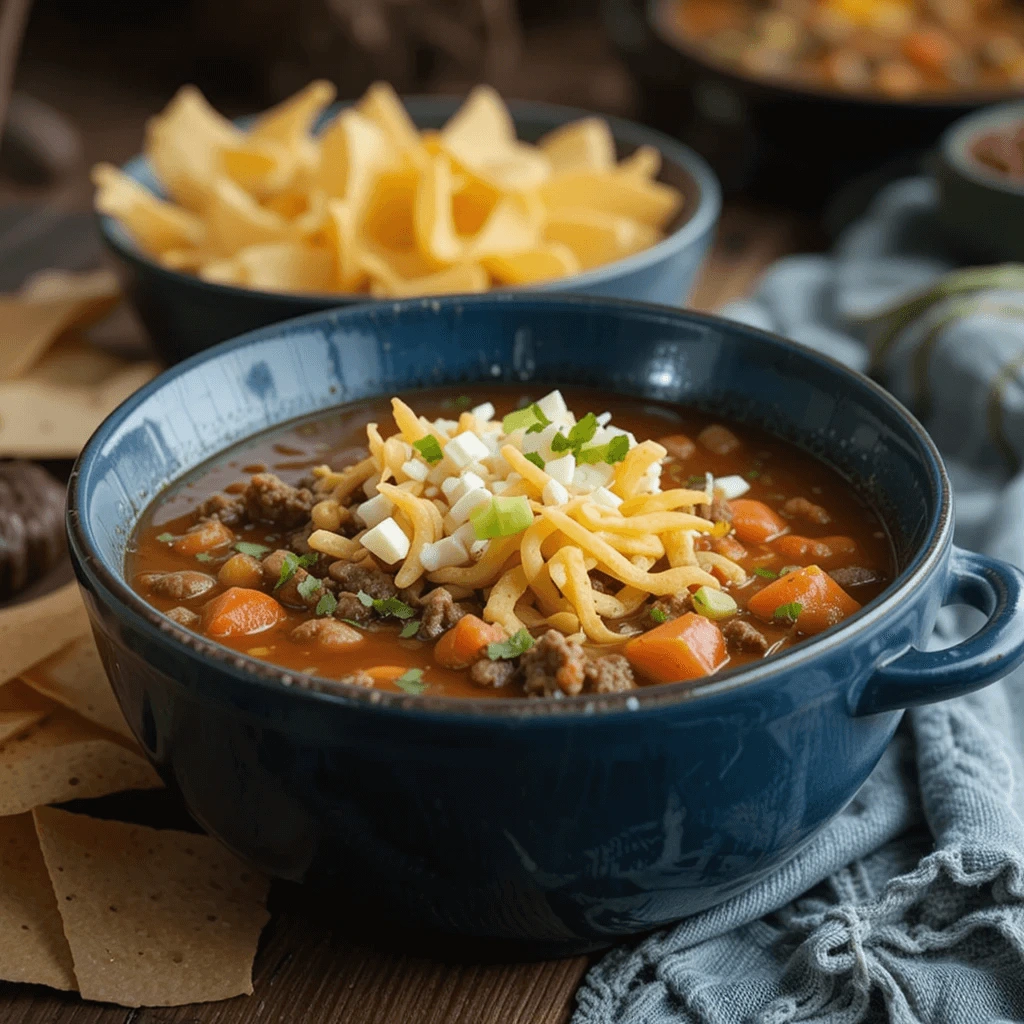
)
(185, 315)
(562, 823)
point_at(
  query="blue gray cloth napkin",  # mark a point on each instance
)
(909, 907)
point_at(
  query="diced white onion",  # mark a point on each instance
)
(465, 535)
(586, 478)
(731, 486)
(553, 406)
(484, 413)
(374, 511)
(461, 509)
(554, 493)
(415, 470)
(561, 469)
(466, 448)
(387, 541)
(602, 496)
(442, 554)
(604, 419)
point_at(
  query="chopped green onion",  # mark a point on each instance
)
(788, 613)
(765, 573)
(245, 547)
(502, 517)
(659, 615)
(386, 606)
(411, 682)
(204, 557)
(534, 458)
(518, 420)
(429, 448)
(515, 645)
(166, 538)
(714, 604)
(410, 629)
(695, 481)
(308, 587)
(614, 451)
(327, 604)
(540, 417)
(291, 565)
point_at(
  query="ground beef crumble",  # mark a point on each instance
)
(350, 607)
(228, 508)
(268, 499)
(610, 673)
(493, 673)
(719, 511)
(553, 665)
(183, 617)
(801, 507)
(854, 576)
(742, 636)
(183, 585)
(367, 578)
(671, 607)
(438, 613)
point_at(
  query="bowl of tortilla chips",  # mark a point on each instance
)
(222, 227)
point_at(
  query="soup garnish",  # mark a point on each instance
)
(510, 548)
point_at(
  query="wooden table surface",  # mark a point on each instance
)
(315, 971)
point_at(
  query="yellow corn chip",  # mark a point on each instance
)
(188, 260)
(432, 214)
(235, 219)
(152, 917)
(48, 305)
(643, 162)
(287, 267)
(462, 278)
(481, 127)
(33, 949)
(63, 758)
(261, 167)
(154, 224)
(596, 237)
(75, 677)
(20, 708)
(36, 629)
(388, 219)
(382, 106)
(513, 226)
(341, 237)
(545, 263)
(584, 145)
(649, 202)
(292, 120)
(353, 151)
(226, 271)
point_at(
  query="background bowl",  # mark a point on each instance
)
(981, 210)
(562, 823)
(184, 314)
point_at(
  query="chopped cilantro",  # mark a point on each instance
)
(768, 574)
(515, 645)
(534, 458)
(788, 612)
(308, 587)
(658, 615)
(291, 565)
(166, 538)
(351, 622)
(386, 606)
(327, 604)
(411, 682)
(429, 448)
(614, 451)
(245, 547)
(542, 420)
(463, 402)
(204, 557)
(579, 435)
(696, 480)
(410, 629)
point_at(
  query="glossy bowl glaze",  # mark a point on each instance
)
(558, 823)
(185, 315)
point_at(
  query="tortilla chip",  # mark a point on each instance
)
(33, 949)
(153, 917)
(64, 758)
(53, 409)
(36, 629)
(20, 708)
(46, 306)
(75, 677)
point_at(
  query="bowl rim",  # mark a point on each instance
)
(90, 564)
(955, 143)
(701, 220)
(691, 50)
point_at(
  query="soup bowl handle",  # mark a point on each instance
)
(925, 677)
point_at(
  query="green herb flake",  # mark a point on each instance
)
(515, 645)
(429, 448)
(327, 604)
(753, 474)
(788, 612)
(765, 573)
(410, 629)
(386, 606)
(204, 557)
(659, 615)
(412, 682)
(696, 482)
(614, 451)
(351, 622)
(245, 547)
(534, 458)
(463, 402)
(291, 565)
(542, 420)
(166, 538)
(308, 587)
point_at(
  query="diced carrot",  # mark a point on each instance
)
(685, 648)
(718, 439)
(678, 446)
(462, 644)
(240, 611)
(386, 673)
(203, 537)
(929, 49)
(754, 522)
(799, 549)
(822, 601)
(729, 546)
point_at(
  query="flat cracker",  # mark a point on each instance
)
(75, 677)
(64, 758)
(153, 917)
(20, 708)
(36, 629)
(33, 949)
